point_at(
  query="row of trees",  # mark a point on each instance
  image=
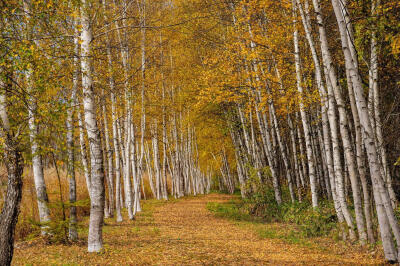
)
(300, 85)
(91, 85)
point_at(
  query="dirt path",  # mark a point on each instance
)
(180, 233)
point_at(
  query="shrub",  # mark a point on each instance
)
(261, 206)
(312, 222)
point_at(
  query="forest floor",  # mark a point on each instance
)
(181, 232)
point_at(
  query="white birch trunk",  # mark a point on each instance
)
(306, 128)
(385, 213)
(72, 233)
(37, 165)
(149, 170)
(376, 118)
(95, 239)
(127, 169)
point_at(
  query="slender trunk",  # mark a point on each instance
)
(283, 151)
(306, 128)
(73, 233)
(376, 118)
(149, 170)
(164, 127)
(114, 132)
(295, 155)
(137, 177)
(360, 155)
(127, 169)
(156, 159)
(265, 136)
(84, 154)
(322, 90)
(37, 164)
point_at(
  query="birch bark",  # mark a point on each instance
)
(95, 239)
(306, 128)
(73, 233)
(37, 164)
(385, 213)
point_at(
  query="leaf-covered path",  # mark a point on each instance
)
(184, 232)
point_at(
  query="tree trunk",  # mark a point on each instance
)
(306, 128)
(37, 165)
(73, 233)
(381, 194)
(15, 166)
(95, 239)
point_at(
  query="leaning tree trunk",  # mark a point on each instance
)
(360, 155)
(374, 91)
(95, 238)
(306, 126)
(322, 91)
(384, 207)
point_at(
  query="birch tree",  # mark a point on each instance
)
(95, 238)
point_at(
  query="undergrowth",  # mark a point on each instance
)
(261, 208)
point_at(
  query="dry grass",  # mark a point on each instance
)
(28, 217)
(27, 221)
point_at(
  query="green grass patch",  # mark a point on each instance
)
(294, 223)
(229, 210)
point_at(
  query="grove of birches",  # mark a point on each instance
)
(170, 98)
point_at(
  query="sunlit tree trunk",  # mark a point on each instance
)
(127, 168)
(137, 177)
(109, 154)
(95, 239)
(164, 126)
